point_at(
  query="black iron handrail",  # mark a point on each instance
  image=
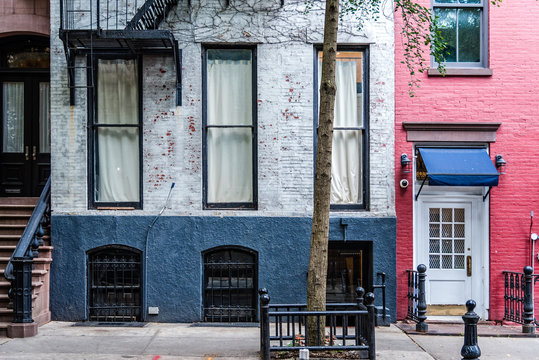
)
(32, 236)
(151, 14)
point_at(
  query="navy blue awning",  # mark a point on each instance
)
(459, 167)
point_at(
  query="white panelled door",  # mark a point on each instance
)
(445, 246)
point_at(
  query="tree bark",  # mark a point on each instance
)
(316, 282)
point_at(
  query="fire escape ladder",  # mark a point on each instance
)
(150, 15)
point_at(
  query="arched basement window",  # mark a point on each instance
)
(114, 284)
(230, 282)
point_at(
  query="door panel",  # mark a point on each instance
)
(444, 244)
(25, 149)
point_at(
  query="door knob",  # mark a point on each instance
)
(469, 265)
(26, 152)
(34, 153)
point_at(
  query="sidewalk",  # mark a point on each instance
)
(157, 341)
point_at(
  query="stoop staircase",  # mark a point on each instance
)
(14, 216)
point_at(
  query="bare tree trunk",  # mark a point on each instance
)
(316, 282)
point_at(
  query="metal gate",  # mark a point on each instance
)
(114, 285)
(230, 282)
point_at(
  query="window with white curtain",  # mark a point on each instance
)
(229, 129)
(349, 164)
(116, 134)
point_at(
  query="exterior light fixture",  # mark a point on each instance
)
(500, 164)
(406, 164)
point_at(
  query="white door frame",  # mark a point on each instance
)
(480, 238)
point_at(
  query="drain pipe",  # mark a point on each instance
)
(146, 247)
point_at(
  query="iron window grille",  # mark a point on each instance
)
(114, 285)
(230, 283)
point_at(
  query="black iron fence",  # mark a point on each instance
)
(283, 326)
(518, 298)
(417, 304)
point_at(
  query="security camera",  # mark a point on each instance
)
(404, 183)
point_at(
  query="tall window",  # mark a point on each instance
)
(116, 135)
(229, 128)
(349, 159)
(463, 24)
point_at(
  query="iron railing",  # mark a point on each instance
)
(282, 327)
(417, 305)
(518, 297)
(113, 14)
(19, 268)
(382, 286)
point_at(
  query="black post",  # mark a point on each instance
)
(421, 326)
(264, 326)
(528, 326)
(470, 350)
(369, 301)
(21, 288)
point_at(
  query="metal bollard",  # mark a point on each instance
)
(527, 311)
(421, 326)
(470, 350)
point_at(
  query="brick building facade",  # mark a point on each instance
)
(487, 100)
(269, 230)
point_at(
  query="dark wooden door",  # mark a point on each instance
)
(24, 133)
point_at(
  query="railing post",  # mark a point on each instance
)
(22, 290)
(528, 325)
(369, 301)
(470, 350)
(360, 292)
(421, 326)
(264, 325)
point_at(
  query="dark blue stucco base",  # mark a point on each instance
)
(174, 259)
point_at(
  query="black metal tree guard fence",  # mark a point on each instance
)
(417, 304)
(518, 298)
(285, 326)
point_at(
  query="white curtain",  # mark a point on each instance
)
(346, 156)
(230, 166)
(44, 118)
(13, 117)
(117, 147)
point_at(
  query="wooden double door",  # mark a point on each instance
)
(25, 133)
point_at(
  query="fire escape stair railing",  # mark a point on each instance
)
(140, 35)
(151, 14)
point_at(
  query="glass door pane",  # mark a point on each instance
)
(44, 118)
(13, 117)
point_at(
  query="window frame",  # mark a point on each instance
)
(254, 94)
(483, 36)
(93, 125)
(365, 166)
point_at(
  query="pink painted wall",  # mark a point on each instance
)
(24, 17)
(509, 96)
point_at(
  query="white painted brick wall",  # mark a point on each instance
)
(172, 137)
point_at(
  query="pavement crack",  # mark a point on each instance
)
(151, 341)
(418, 345)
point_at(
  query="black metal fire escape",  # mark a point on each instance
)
(91, 27)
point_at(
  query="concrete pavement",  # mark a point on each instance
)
(157, 341)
